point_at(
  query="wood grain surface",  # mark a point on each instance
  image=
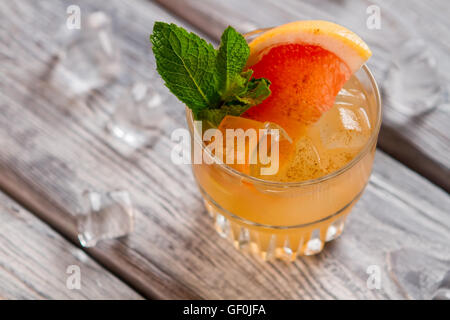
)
(34, 261)
(53, 148)
(421, 141)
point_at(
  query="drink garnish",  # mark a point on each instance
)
(307, 63)
(212, 83)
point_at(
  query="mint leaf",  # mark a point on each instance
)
(231, 59)
(211, 83)
(187, 65)
(257, 91)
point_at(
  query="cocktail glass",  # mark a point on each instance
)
(286, 219)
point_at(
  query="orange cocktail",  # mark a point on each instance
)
(305, 204)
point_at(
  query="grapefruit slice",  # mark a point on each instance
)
(307, 63)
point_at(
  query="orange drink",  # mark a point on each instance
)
(320, 178)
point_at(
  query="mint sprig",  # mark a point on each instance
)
(231, 59)
(187, 64)
(210, 82)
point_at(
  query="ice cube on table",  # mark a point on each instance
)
(418, 274)
(104, 216)
(88, 58)
(413, 84)
(139, 116)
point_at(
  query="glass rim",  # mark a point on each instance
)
(329, 176)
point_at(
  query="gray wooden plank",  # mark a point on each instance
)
(54, 148)
(34, 261)
(422, 142)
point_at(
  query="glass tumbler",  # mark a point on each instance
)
(285, 219)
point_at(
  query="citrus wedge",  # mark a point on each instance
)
(236, 129)
(307, 63)
(241, 144)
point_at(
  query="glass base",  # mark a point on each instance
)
(270, 243)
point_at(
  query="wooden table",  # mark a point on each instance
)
(53, 147)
